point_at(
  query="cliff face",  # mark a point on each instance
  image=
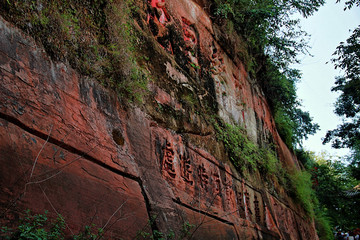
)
(68, 145)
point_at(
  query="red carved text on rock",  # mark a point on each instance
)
(186, 169)
(168, 160)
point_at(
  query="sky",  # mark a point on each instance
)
(327, 27)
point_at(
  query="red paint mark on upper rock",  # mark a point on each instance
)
(160, 4)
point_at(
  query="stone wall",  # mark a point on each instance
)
(68, 145)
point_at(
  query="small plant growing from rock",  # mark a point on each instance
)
(186, 232)
(35, 226)
(40, 227)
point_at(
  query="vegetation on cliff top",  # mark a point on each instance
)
(96, 38)
(274, 41)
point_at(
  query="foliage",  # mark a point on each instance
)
(89, 233)
(274, 40)
(305, 158)
(155, 235)
(331, 179)
(243, 153)
(322, 220)
(350, 3)
(268, 27)
(348, 103)
(96, 37)
(36, 227)
(354, 159)
(185, 232)
(39, 227)
(347, 106)
(302, 185)
(293, 123)
(323, 224)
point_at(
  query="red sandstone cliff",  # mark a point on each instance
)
(68, 145)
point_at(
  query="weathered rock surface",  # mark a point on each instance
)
(67, 144)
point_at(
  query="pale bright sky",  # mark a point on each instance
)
(328, 27)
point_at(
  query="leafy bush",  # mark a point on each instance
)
(185, 232)
(40, 227)
(36, 227)
(89, 233)
(302, 186)
(323, 225)
(245, 154)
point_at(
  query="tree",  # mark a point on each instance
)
(268, 27)
(348, 103)
(347, 58)
(332, 179)
(354, 160)
(349, 4)
(274, 40)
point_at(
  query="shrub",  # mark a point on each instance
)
(245, 154)
(40, 227)
(36, 227)
(301, 186)
(323, 225)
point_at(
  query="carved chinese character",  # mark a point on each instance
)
(229, 194)
(257, 210)
(228, 190)
(204, 178)
(217, 183)
(240, 203)
(186, 169)
(248, 207)
(168, 160)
